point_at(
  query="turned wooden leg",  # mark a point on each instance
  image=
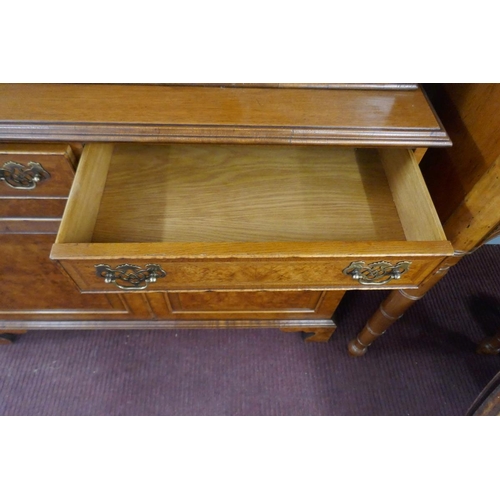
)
(489, 345)
(314, 334)
(393, 307)
(9, 336)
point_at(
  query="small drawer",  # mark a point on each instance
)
(35, 170)
(32, 208)
(211, 272)
(29, 226)
(219, 217)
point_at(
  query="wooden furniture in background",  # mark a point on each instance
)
(204, 206)
(490, 345)
(487, 404)
(464, 182)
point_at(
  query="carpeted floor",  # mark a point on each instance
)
(425, 364)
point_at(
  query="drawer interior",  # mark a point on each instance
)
(141, 193)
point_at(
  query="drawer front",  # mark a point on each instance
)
(33, 208)
(120, 276)
(29, 226)
(35, 171)
(28, 216)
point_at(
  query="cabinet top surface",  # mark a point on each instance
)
(162, 113)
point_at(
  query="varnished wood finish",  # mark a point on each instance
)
(209, 305)
(253, 231)
(419, 154)
(392, 308)
(478, 216)
(487, 404)
(249, 251)
(217, 217)
(159, 113)
(26, 208)
(466, 192)
(29, 226)
(311, 310)
(471, 114)
(294, 325)
(416, 211)
(37, 210)
(33, 288)
(186, 193)
(262, 273)
(58, 160)
(83, 204)
(344, 86)
(490, 345)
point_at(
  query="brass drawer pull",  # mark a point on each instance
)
(18, 176)
(377, 273)
(132, 277)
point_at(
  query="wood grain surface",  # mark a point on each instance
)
(29, 226)
(471, 112)
(85, 195)
(413, 201)
(194, 193)
(292, 304)
(129, 113)
(29, 208)
(34, 289)
(248, 236)
(247, 274)
(477, 218)
(351, 86)
(249, 251)
(57, 159)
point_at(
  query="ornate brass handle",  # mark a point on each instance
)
(377, 273)
(18, 176)
(132, 277)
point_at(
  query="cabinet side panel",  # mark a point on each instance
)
(471, 114)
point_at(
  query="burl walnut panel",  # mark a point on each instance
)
(32, 287)
(300, 304)
(250, 274)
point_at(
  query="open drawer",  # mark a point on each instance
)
(184, 217)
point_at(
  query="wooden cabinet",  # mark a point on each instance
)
(34, 290)
(204, 206)
(36, 179)
(34, 186)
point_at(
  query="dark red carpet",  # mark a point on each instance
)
(425, 365)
